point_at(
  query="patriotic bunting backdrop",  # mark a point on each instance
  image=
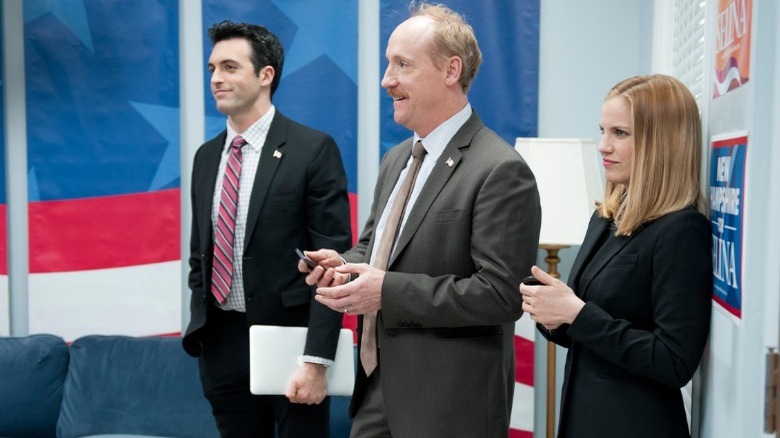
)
(102, 87)
(102, 82)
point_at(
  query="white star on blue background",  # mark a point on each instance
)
(320, 34)
(72, 14)
(166, 121)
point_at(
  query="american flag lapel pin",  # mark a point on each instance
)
(449, 162)
(277, 154)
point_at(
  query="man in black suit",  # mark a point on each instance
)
(291, 192)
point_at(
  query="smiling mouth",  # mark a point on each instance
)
(396, 97)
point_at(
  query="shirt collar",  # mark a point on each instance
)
(255, 134)
(437, 140)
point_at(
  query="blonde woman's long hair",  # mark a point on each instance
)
(666, 165)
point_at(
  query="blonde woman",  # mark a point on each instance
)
(635, 315)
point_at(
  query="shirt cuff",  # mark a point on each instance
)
(318, 360)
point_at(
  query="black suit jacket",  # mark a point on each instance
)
(643, 329)
(299, 199)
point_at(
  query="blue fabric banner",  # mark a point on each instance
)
(102, 97)
(506, 90)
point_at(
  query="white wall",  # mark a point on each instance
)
(586, 47)
(732, 399)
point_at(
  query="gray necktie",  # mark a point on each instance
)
(368, 356)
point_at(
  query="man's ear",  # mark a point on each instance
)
(266, 75)
(454, 70)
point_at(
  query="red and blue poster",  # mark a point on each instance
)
(727, 208)
(733, 25)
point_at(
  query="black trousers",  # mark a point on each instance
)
(224, 372)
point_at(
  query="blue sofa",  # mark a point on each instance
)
(108, 385)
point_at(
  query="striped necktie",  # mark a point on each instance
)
(224, 232)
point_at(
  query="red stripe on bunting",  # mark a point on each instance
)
(3, 241)
(517, 433)
(350, 321)
(524, 361)
(353, 216)
(105, 232)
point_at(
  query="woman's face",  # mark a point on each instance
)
(617, 140)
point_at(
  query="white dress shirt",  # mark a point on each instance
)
(434, 145)
(255, 137)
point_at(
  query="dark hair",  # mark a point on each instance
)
(266, 48)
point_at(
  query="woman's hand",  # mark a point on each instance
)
(551, 304)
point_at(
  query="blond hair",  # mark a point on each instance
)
(666, 164)
(452, 36)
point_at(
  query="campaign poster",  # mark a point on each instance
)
(733, 24)
(727, 210)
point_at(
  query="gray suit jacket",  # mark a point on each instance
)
(450, 297)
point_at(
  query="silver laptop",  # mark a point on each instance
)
(276, 352)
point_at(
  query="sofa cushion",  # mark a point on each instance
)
(340, 424)
(32, 372)
(140, 386)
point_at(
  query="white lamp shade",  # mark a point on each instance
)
(567, 174)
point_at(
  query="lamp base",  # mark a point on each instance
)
(552, 260)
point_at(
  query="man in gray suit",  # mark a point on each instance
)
(446, 301)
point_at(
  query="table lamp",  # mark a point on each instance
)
(567, 175)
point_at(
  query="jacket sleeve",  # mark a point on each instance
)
(328, 222)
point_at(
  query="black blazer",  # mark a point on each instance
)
(643, 329)
(299, 199)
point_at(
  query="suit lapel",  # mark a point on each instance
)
(270, 157)
(212, 156)
(439, 176)
(393, 173)
(388, 183)
(596, 229)
(611, 247)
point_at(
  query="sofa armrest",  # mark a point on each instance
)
(32, 373)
